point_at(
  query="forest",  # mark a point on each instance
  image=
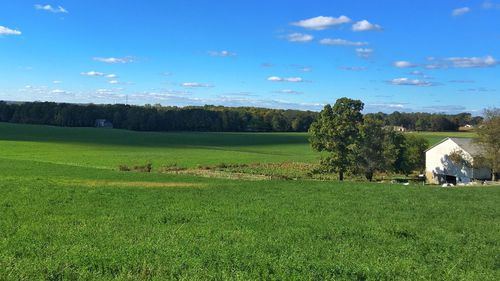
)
(207, 118)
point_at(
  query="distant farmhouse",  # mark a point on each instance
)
(103, 123)
(466, 128)
(395, 128)
(439, 167)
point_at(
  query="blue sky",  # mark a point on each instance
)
(434, 56)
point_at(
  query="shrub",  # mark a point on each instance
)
(143, 168)
(124, 168)
(171, 168)
(138, 168)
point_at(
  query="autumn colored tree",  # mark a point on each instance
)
(489, 140)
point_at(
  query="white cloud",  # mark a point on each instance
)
(460, 11)
(387, 107)
(294, 79)
(236, 101)
(393, 106)
(417, 73)
(410, 82)
(49, 8)
(274, 79)
(445, 108)
(462, 81)
(92, 73)
(341, 42)
(299, 37)
(195, 85)
(480, 89)
(104, 91)
(472, 62)
(111, 76)
(223, 53)
(365, 25)
(36, 91)
(238, 94)
(354, 68)
(321, 22)
(490, 5)
(58, 92)
(403, 64)
(114, 60)
(285, 79)
(289, 91)
(57, 82)
(436, 66)
(114, 82)
(462, 62)
(7, 31)
(364, 52)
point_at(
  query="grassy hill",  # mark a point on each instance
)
(109, 148)
(67, 213)
(435, 137)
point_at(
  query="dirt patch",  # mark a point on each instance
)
(147, 184)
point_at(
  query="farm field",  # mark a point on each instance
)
(68, 213)
(96, 148)
(435, 137)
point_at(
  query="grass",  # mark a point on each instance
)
(103, 148)
(71, 215)
(110, 148)
(435, 137)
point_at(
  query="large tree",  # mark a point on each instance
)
(370, 148)
(415, 153)
(336, 131)
(489, 139)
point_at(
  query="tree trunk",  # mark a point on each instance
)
(493, 175)
(369, 176)
(341, 175)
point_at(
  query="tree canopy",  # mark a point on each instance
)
(337, 131)
(489, 139)
(361, 144)
(159, 118)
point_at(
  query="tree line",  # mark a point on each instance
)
(159, 118)
(434, 122)
(206, 118)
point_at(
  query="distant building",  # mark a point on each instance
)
(467, 127)
(396, 128)
(103, 123)
(439, 168)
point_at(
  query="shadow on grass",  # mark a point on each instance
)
(41, 133)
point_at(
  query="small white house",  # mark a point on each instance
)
(440, 169)
(395, 128)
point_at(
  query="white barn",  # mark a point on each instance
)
(440, 169)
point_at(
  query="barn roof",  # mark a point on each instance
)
(466, 144)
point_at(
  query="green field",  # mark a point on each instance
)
(66, 212)
(435, 137)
